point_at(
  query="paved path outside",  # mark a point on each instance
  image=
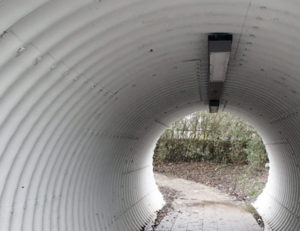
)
(202, 208)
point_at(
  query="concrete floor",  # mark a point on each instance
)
(201, 208)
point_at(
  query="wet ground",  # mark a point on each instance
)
(197, 207)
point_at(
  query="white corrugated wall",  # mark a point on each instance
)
(87, 87)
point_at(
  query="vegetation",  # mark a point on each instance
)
(249, 208)
(218, 138)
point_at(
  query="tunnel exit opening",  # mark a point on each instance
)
(219, 152)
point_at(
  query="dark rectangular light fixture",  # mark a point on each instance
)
(219, 49)
(214, 106)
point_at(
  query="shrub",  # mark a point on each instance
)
(220, 138)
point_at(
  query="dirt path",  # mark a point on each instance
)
(237, 180)
(199, 207)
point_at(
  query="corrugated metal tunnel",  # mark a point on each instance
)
(87, 87)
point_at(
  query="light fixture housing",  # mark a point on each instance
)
(214, 106)
(219, 49)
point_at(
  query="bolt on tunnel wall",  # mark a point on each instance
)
(82, 102)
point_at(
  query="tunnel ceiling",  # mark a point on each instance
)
(86, 87)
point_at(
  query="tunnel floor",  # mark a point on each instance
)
(201, 208)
